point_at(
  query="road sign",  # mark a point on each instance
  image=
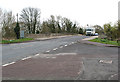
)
(22, 34)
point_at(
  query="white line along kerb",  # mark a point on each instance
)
(55, 48)
(8, 64)
(26, 58)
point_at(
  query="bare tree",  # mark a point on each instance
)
(51, 23)
(98, 29)
(31, 17)
(8, 25)
(45, 28)
(58, 29)
(1, 13)
(1, 24)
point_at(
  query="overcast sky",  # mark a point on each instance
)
(83, 11)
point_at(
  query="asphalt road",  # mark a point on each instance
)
(17, 51)
(98, 62)
(70, 60)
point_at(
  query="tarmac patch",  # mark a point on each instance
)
(99, 69)
(45, 67)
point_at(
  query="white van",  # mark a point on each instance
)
(90, 31)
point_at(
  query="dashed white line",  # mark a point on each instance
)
(8, 64)
(37, 55)
(65, 45)
(70, 44)
(53, 57)
(26, 58)
(47, 57)
(61, 46)
(55, 48)
(73, 42)
(48, 51)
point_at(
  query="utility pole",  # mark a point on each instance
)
(17, 17)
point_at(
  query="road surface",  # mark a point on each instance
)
(17, 51)
(71, 60)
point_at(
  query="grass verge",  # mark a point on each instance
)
(16, 40)
(105, 41)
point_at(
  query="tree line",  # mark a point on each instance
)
(112, 32)
(29, 19)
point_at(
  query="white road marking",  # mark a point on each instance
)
(61, 46)
(37, 55)
(79, 72)
(8, 64)
(26, 58)
(65, 45)
(48, 51)
(53, 57)
(75, 42)
(55, 48)
(112, 76)
(47, 57)
(72, 42)
(105, 61)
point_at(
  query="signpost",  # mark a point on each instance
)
(21, 33)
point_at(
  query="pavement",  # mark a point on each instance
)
(90, 38)
(53, 37)
(71, 61)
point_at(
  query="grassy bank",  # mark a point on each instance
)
(105, 41)
(16, 40)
